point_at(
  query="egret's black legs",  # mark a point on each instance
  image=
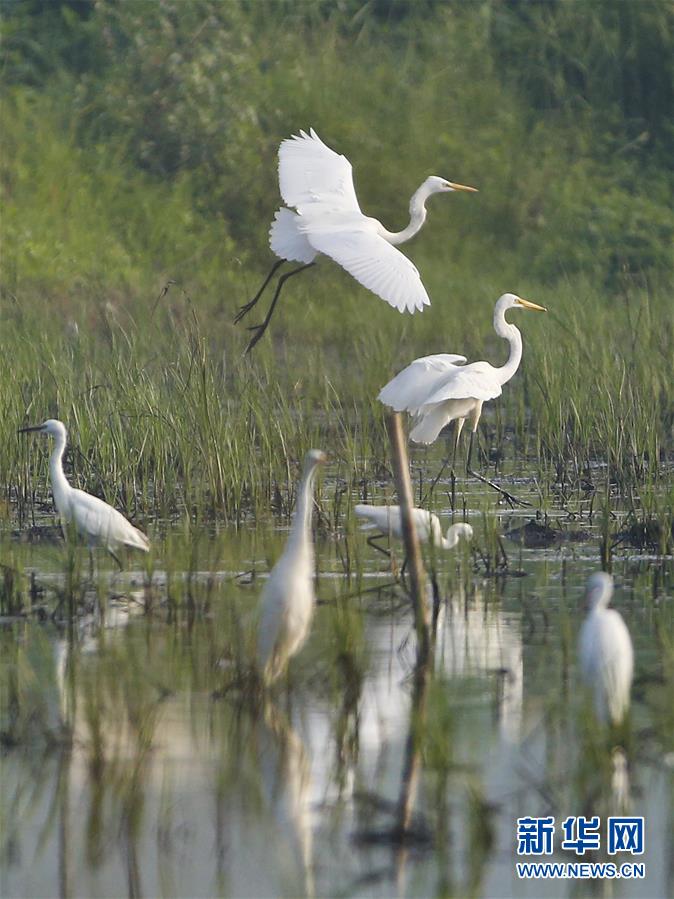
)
(121, 567)
(430, 490)
(248, 306)
(260, 329)
(508, 497)
(372, 541)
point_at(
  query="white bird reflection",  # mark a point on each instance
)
(285, 771)
(621, 801)
(85, 640)
(476, 638)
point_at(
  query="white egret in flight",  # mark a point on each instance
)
(318, 184)
(288, 596)
(441, 388)
(93, 519)
(605, 652)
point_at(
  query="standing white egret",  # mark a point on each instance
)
(427, 525)
(318, 184)
(438, 389)
(605, 652)
(94, 519)
(288, 596)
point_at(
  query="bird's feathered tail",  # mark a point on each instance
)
(430, 423)
(287, 241)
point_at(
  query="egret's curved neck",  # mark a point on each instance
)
(417, 218)
(59, 484)
(512, 335)
(601, 602)
(300, 536)
(452, 538)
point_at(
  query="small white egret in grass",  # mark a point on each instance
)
(288, 597)
(427, 525)
(605, 652)
(93, 518)
(318, 184)
(441, 388)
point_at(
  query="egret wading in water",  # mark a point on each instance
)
(438, 389)
(318, 184)
(605, 652)
(427, 525)
(93, 519)
(288, 597)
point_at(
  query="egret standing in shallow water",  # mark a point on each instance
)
(94, 519)
(427, 525)
(318, 184)
(605, 652)
(288, 597)
(439, 389)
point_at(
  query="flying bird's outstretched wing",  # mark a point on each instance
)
(310, 173)
(374, 263)
(318, 183)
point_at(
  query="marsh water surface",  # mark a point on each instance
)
(137, 761)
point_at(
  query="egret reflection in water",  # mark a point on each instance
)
(151, 782)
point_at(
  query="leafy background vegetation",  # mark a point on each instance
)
(138, 146)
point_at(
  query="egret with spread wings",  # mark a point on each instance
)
(442, 388)
(317, 184)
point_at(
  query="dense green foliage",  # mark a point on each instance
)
(560, 112)
(138, 145)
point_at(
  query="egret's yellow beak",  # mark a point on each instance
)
(528, 305)
(470, 190)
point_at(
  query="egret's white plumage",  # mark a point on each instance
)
(427, 525)
(605, 652)
(438, 389)
(93, 518)
(288, 596)
(322, 216)
(318, 184)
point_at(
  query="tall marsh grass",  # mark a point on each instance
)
(168, 418)
(127, 250)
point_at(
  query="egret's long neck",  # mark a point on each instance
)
(59, 484)
(417, 218)
(512, 335)
(601, 602)
(300, 536)
(452, 538)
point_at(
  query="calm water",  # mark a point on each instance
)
(131, 766)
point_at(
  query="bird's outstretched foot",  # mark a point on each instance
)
(512, 500)
(258, 332)
(244, 310)
(508, 497)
